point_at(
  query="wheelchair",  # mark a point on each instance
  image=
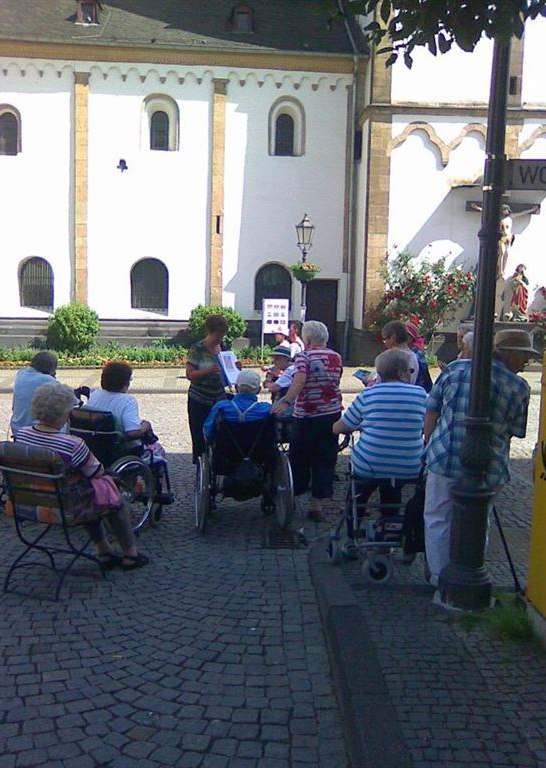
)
(235, 445)
(138, 472)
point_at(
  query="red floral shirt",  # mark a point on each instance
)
(320, 395)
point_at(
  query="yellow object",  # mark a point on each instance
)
(537, 560)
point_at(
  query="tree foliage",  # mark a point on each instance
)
(402, 25)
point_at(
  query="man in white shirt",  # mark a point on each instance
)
(42, 370)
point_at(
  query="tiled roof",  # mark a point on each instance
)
(279, 25)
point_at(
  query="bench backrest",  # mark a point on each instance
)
(36, 483)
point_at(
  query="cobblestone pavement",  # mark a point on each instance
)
(463, 699)
(212, 656)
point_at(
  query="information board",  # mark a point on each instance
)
(275, 316)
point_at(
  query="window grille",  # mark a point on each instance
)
(150, 285)
(36, 284)
(273, 281)
(284, 135)
(159, 131)
(9, 134)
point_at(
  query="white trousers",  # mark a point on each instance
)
(438, 517)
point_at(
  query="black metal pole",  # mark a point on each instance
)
(465, 583)
(303, 289)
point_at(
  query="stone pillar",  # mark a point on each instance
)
(379, 169)
(81, 97)
(219, 98)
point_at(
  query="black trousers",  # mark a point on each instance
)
(388, 494)
(197, 413)
(313, 455)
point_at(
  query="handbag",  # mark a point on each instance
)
(106, 493)
(413, 531)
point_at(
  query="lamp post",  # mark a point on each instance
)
(305, 231)
(465, 583)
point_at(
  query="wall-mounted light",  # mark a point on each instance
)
(122, 165)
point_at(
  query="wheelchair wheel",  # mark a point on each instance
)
(377, 569)
(136, 484)
(284, 491)
(201, 497)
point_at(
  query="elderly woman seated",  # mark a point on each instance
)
(390, 418)
(113, 396)
(51, 406)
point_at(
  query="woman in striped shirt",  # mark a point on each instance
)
(390, 417)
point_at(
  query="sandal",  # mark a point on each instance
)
(110, 560)
(138, 561)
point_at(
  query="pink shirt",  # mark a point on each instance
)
(320, 395)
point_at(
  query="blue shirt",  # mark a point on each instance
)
(26, 381)
(450, 396)
(243, 407)
(390, 416)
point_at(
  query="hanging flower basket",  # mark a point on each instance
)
(305, 271)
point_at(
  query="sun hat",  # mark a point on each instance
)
(515, 341)
(281, 352)
(249, 381)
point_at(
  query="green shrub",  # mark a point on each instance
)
(254, 354)
(235, 320)
(72, 328)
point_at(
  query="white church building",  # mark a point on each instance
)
(156, 154)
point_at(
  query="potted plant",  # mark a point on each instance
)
(305, 271)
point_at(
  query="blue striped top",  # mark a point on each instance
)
(390, 417)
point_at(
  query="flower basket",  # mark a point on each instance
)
(305, 271)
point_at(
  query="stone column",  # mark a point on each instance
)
(81, 97)
(378, 177)
(219, 98)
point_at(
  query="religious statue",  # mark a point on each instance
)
(506, 240)
(520, 295)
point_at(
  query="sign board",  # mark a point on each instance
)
(275, 316)
(526, 174)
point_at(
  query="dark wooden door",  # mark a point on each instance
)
(322, 305)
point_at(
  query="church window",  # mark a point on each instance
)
(242, 20)
(284, 135)
(273, 281)
(159, 130)
(150, 285)
(36, 284)
(10, 130)
(160, 123)
(287, 128)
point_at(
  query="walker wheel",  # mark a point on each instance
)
(377, 569)
(335, 554)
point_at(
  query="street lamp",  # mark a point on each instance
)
(465, 583)
(305, 231)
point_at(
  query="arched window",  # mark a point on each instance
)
(36, 284)
(287, 128)
(273, 281)
(10, 130)
(160, 123)
(284, 135)
(150, 285)
(242, 20)
(159, 130)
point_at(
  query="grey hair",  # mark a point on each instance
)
(468, 341)
(465, 326)
(51, 402)
(315, 332)
(393, 364)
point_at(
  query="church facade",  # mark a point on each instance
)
(155, 156)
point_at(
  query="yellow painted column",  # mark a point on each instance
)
(81, 99)
(219, 99)
(536, 589)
